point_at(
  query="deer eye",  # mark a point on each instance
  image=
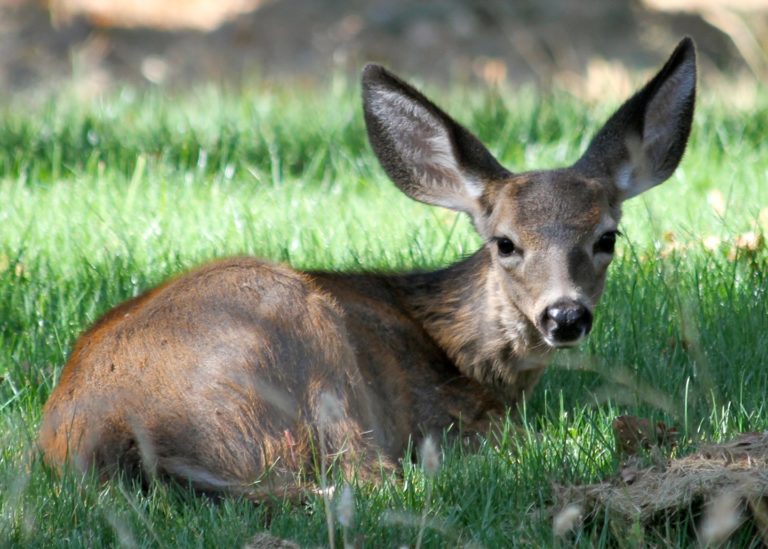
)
(505, 246)
(606, 244)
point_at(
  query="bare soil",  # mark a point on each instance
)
(492, 40)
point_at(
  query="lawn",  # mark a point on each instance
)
(100, 200)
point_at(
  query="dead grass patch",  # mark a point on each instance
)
(721, 487)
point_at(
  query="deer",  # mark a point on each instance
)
(241, 370)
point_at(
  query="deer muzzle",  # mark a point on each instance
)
(565, 323)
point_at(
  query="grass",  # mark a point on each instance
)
(102, 200)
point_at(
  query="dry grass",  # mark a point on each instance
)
(723, 486)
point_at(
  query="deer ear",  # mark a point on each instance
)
(642, 143)
(429, 157)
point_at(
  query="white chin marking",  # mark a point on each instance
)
(563, 344)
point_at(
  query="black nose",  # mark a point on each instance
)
(566, 321)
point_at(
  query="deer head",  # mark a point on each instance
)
(550, 234)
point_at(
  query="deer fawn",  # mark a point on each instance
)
(225, 373)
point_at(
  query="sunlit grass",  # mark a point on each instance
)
(101, 201)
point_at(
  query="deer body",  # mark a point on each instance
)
(226, 373)
(281, 339)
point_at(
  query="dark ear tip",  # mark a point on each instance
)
(686, 47)
(375, 73)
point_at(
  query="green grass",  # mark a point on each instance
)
(102, 200)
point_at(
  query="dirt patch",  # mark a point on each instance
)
(490, 40)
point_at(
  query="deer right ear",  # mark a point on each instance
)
(642, 143)
(429, 157)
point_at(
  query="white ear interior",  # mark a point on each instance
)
(635, 175)
(424, 145)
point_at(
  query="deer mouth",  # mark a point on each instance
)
(564, 343)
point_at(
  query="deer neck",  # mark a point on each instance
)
(461, 307)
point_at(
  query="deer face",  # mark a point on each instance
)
(550, 233)
(551, 236)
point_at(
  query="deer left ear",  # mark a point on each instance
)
(642, 144)
(428, 155)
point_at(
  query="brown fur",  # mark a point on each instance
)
(243, 367)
